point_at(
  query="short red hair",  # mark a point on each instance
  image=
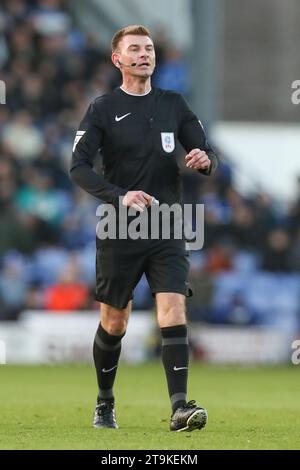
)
(137, 30)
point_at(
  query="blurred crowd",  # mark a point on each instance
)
(52, 71)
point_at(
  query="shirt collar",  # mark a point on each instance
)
(135, 94)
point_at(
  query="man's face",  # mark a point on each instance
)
(139, 50)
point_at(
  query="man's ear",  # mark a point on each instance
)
(115, 60)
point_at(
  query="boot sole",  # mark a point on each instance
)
(197, 420)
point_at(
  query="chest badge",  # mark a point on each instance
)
(168, 141)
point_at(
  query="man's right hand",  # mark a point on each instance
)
(138, 200)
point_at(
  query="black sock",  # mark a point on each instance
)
(175, 358)
(106, 352)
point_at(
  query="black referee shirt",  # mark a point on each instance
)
(138, 138)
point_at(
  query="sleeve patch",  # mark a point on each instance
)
(78, 136)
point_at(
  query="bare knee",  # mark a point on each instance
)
(114, 324)
(171, 316)
(171, 310)
(114, 320)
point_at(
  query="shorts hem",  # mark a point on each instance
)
(186, 293)
(106, 301)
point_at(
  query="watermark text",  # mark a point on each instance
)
(2, 92)
(159, 222)
(2, 352)
(295, 97)
(296, 354)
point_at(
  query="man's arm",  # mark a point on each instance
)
(192, 137)
(88, 140)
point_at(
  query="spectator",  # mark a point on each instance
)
(276, 256)
(172, 73)
(68, 294)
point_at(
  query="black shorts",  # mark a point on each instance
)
(120, 265)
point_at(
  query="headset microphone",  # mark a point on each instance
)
(125, 65)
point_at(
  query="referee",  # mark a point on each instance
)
(137, 127)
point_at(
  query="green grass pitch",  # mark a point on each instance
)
(50, 407)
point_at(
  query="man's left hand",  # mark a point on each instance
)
(198, 160)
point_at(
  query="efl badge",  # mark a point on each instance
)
(168, 141)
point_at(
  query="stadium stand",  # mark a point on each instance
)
(247, 273)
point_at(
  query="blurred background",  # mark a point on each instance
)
(235, 62)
